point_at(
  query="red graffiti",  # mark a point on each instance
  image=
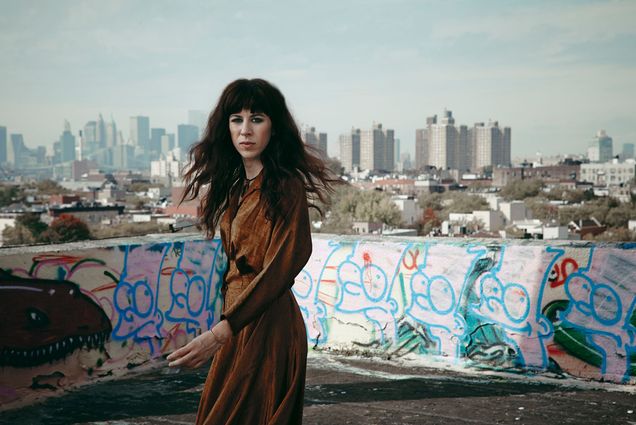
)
(167, 271)
(413, 260)
(561, 271)
(56, 259)
(367, 259)
(105, 287)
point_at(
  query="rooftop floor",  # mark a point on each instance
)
(353, 390)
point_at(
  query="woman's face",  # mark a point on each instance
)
(250, 133)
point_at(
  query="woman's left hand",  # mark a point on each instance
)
(197, 352)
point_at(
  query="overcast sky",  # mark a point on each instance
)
(554, 71)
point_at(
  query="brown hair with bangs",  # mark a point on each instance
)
(216, 169)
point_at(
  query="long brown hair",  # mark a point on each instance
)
(216, 168)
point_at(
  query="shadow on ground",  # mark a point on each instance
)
(161, 394)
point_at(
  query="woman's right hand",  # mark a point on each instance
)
(198, 351)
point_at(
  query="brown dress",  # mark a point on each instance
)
(258, 377)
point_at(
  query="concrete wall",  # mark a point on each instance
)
(74, 313)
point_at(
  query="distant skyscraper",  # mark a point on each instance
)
(198, 118)
(67, 144)
(317, 140)
(167, 143)
(123, 156)
(377, 148)
(111, 133)
(3, 145)
(155, 142)
(89, 139)
(140, 132)
(350, 150)
(101, 132)
(187, 135)
(628, 148)
(16, 150)
(601, 149)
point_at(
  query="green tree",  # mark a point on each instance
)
(350, 204)
(7, 195)
(66, 228)
(27, 230)
(31, 221)
(460, 202)
(521, 189)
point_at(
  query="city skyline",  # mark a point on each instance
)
(556, 77)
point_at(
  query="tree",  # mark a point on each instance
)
(17, 235)
(31, 221)
(431, 200)
(541, 209)
(66, 228)
(459, 202)
(616, 234)
(7, 195)
(335, 166)
(521, 189)
(351, 204)
(27, 230)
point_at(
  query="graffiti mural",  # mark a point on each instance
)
(44, 320)
(84, 313)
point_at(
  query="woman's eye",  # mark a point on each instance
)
(236, 120)
(257, 120)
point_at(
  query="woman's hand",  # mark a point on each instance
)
(198, 351)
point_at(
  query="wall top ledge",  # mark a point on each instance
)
(175, 237)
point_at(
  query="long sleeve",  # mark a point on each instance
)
(288, 251)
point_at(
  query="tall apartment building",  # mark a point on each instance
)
(489, 146)
(444, 145)
(140, 132)
(350, 150)
(422, 143)
(601, 149)
(317, 140)
(442, 141)
(377, 149)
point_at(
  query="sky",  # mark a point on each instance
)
(554, 71)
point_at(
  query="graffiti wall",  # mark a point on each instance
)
(80, 313)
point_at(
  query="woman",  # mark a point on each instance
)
(255, 173)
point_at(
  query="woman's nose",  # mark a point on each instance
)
(246, 128)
